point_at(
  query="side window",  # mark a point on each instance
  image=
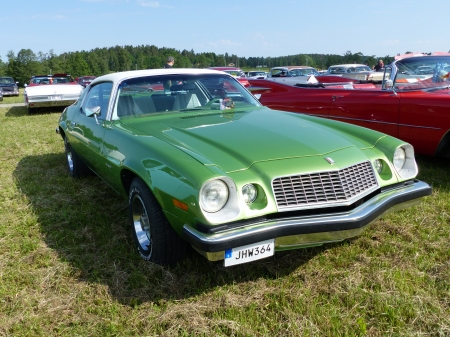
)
(98, 98)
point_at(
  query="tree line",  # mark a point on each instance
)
(100, 61)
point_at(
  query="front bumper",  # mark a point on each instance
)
(305, 231)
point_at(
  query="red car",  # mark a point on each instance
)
(51, 79)
(411, 103)
(236, 72)
(84, 81)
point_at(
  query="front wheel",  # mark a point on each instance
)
(75, 165)
(155, 239)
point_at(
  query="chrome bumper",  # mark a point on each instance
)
(48, 104)
(305, 231)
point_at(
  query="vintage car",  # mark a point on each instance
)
(235, 72)
(9, 86)
(407, 105)
(58, 90)
(356, 71)
(259, 74)
(84, 81)
(292, 71)
(203, 163)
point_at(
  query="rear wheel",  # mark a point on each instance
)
(75, 165)
(155, 239)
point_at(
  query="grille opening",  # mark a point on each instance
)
(312, 189)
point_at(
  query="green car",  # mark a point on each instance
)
(203, 164)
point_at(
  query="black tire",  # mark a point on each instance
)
(31, 110)
(75, 165)
(154, 237)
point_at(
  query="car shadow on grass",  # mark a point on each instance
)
(86, 223)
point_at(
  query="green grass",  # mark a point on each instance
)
(68, 265)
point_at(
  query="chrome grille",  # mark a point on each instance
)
(334, 187)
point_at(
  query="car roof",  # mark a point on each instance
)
(419, 54)
(119, 76)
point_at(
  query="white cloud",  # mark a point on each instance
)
(143, 3)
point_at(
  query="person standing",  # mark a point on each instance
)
(379, 65)
(169, 62)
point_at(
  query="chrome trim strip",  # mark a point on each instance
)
(380, 122)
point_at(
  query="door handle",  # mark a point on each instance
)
(334, 97)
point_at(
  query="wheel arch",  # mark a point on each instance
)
(443, 149)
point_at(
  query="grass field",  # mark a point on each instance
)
(68, 265)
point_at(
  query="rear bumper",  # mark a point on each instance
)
(46, 104)
(302, 231)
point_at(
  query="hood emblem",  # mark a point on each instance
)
(329, 160)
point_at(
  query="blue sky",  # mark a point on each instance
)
(247, 28)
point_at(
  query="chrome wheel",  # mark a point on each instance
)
(141, 225)
(155, 239)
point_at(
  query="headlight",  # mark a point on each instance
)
(249, 193)
(399, 158)
(213, 196)
(404, 162)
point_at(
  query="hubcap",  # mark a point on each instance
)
(70, 161)
(141, 223)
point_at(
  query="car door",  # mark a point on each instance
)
(88, 129)
(375, 109)
(312, 101)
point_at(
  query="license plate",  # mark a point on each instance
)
(249, 253)
(56, 97)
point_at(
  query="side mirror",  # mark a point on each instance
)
(388, 84)
(92, 111)
(95, 111)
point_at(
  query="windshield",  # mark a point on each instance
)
(6, 80)
(236, 73)
(178, 93)
(422, 72)
(256, 73)
(303, 72)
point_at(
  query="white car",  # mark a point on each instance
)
(58, 90)
(356, 71)
(257, 74)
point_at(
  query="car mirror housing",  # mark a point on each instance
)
(92, 111)
(388, 84)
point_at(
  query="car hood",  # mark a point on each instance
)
(236, 140)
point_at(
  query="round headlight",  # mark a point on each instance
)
(213, 196)
(249, 193)
(378, 165)
(399, 158)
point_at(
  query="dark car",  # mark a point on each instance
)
(84, 81)
(9, 86)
